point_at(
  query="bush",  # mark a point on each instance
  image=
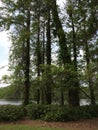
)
(11, 113)
(92, 110)
(58, 113)
(62, 114)
(35, 111)
(38, 111)
(47, 112)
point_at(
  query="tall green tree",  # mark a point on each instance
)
(84, 33)
(16, 14)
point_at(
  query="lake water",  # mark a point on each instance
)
(84, 102)
(11, 102)
(15, 102)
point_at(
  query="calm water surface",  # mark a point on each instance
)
(11, 102)
(17, 102)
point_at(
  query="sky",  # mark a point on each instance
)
(4, 53)
(4, 50)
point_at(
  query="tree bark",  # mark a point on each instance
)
(75, 93)
(89, 74)
(66, 57)
(48, 56)
(27, 63)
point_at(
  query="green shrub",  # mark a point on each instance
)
(58, 113)
(11, 113)
(91, 109)
(35, 111)
(53, 116)
(68, 114)
(38, 111)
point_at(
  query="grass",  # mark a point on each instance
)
(25, 127)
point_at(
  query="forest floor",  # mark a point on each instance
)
(89, 124)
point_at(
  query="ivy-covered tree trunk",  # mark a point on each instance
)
(38, 51)
(75, 96)
(66, 57)
(62, 97)
(48, 56)
(88, 58)
(42, 89)
(27, 62)
(92, 29)
(90, 82)
(65, 54)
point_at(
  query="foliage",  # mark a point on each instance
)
(3, 92)
(11, 113)
(34, 111)
(58, 113)
(47, 112)
(11, 92)
(66, 114)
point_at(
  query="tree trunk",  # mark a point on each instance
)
(89, 74)
(66, 57)
(38, 48)
(75, 93)
(62, 98)
(42, 90)
(48, 56)
(27, 63)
